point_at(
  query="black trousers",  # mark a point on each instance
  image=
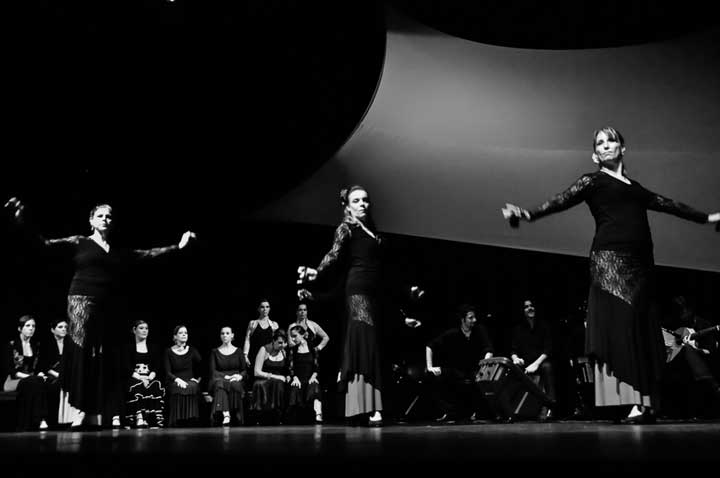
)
(454, 392)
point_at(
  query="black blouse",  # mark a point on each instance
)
(619, 210)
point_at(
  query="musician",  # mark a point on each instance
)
(531, 346)
(452, 360)
(698, 354)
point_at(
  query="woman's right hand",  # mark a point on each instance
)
(295, 382)
(15, 207)
(306, 274)
(181, 383)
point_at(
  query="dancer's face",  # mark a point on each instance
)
(359, 204)
(264, 309)
(141, 331)
(102, 219)
(28, 328)
(60, 330)
(296, 337)
(607, 149)
(226, 335)
(301, 312)
(182, 336)
(279, 343)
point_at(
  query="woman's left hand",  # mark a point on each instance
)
(313, 379)
(714, 217)
(295, 382)
(185, 239)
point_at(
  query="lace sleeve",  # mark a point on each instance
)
(342, 234)
(63, 241)
(663, 204)
(155, 252)
(572, 196)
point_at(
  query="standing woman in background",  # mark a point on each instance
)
(259, 332)
(623, 337)
(97, 269)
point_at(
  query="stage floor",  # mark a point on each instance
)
(359, 450)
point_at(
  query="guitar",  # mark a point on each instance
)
(676, 340)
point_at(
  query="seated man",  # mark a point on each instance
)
(530, 348)
(696, 356)
(452, 360)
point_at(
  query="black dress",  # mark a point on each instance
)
(183, 403)
(31, 391)
(360, 372)
(303, 366)
(227, 395)
(270, 394)
(623, 337)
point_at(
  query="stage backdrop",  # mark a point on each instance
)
(458, 128)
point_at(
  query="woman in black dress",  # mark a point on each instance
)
(182, 380)
(271, 378)
(304, 387)
(259, 332)
(58, 408)
(356, 247)
(623, 338)
(98, 267)
(27, 378)
(228, 373)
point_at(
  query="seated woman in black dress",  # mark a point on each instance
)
(228, 373)
(59, 410)
(271, 378)
(182, 379)
(145, 398)
(304, 387)
(26, 378)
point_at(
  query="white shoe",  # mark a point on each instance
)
(43, 425)
(140, 422)
(116, 422)
(226, 420)
(77, 423)
(634, 412)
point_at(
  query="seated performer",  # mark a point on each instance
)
(271, 378)
(26, 378)
(697, 357)
(145, 396)
(304, 387)
(182, 379)
(452, 361)
(228, 374)
(530, 349)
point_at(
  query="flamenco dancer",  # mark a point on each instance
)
(623, 337)
(98, 267)
(356, 249)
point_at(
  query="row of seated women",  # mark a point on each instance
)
(164, 388)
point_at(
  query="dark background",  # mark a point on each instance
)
(194, 114)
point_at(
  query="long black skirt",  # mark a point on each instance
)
(361, 372)
(623, 337)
